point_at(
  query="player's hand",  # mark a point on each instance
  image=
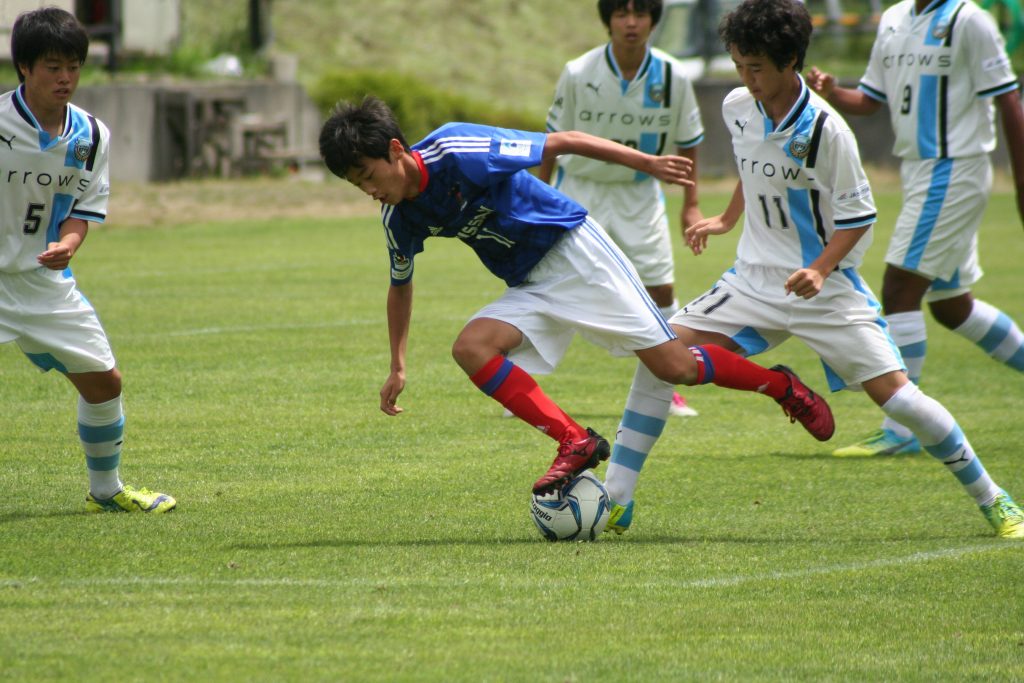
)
(56, 257)
(696, 236)
(390, 391)
(805, 283)
(690, 216)
(672, 169)
(820, 82)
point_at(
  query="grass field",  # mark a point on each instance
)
(317, 539)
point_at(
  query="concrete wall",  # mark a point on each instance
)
(157, 130)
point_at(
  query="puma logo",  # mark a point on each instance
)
(8, 141)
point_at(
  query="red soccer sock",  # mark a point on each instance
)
(510, 385)
(724, 368)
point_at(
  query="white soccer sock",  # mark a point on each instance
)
(101, 429)
(942, 437)
(642, 423)
(910, 335)
(996, 333)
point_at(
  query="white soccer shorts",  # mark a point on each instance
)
(633, 214)
(52, 323)
(842, 324)
(584, 285)
(936, 234)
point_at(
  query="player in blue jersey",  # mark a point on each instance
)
(54, 157)
(630, 92)
(938, 65)
(808, 214)
(564, 274)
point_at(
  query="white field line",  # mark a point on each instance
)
(711, 582)
(244, 329)
(238, 329)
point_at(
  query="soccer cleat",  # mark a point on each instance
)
(129, 499)
(1005, 516)
(573, 457)
(679, 407)
(800, 403)
(881, 442)
(620, 518)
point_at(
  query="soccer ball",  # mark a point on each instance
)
(578, 512)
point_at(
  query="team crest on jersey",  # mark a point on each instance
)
(656, 92)
(82, 149)
(800, 146)
(941, 28)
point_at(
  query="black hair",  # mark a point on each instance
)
(356, 131)
(608, 7)
(46, 32)
(778, 29)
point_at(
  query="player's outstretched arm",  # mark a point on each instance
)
(696, 235)
(1013, 130)
(672, 169)
(399, 308)
(58, 254)
(846, 100)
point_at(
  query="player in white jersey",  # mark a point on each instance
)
(637, 95)
(808, 215)
(938, 66)
(53, 181)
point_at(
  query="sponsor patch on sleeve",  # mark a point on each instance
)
(857, 194)
(993, 63)
(514, 148)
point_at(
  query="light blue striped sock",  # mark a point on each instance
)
(910, 335)
(642, 422)
(101, 429)
(942, 437)
(996, 333)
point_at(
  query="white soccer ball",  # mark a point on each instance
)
(579, 512)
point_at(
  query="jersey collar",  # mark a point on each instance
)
(793, 116)
(25, 113)
(609, 58)
(932, 6)
(424, 174)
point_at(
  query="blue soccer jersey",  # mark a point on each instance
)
(476, 187)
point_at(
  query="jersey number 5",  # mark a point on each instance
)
(33, 218)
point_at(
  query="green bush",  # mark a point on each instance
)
(419, 106)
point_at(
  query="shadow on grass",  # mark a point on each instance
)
(50, 514)
(827, 455)
(641, 540)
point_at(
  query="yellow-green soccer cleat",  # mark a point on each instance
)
(881, 442)
(1005, 516)
(620, 518)
(129, 499)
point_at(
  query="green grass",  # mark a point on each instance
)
(318, 539)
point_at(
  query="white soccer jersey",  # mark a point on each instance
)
(44, 181)
(801, 181)
(655, 112)
(938, 71)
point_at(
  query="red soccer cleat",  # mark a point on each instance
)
(800, 403)
(573, 457)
